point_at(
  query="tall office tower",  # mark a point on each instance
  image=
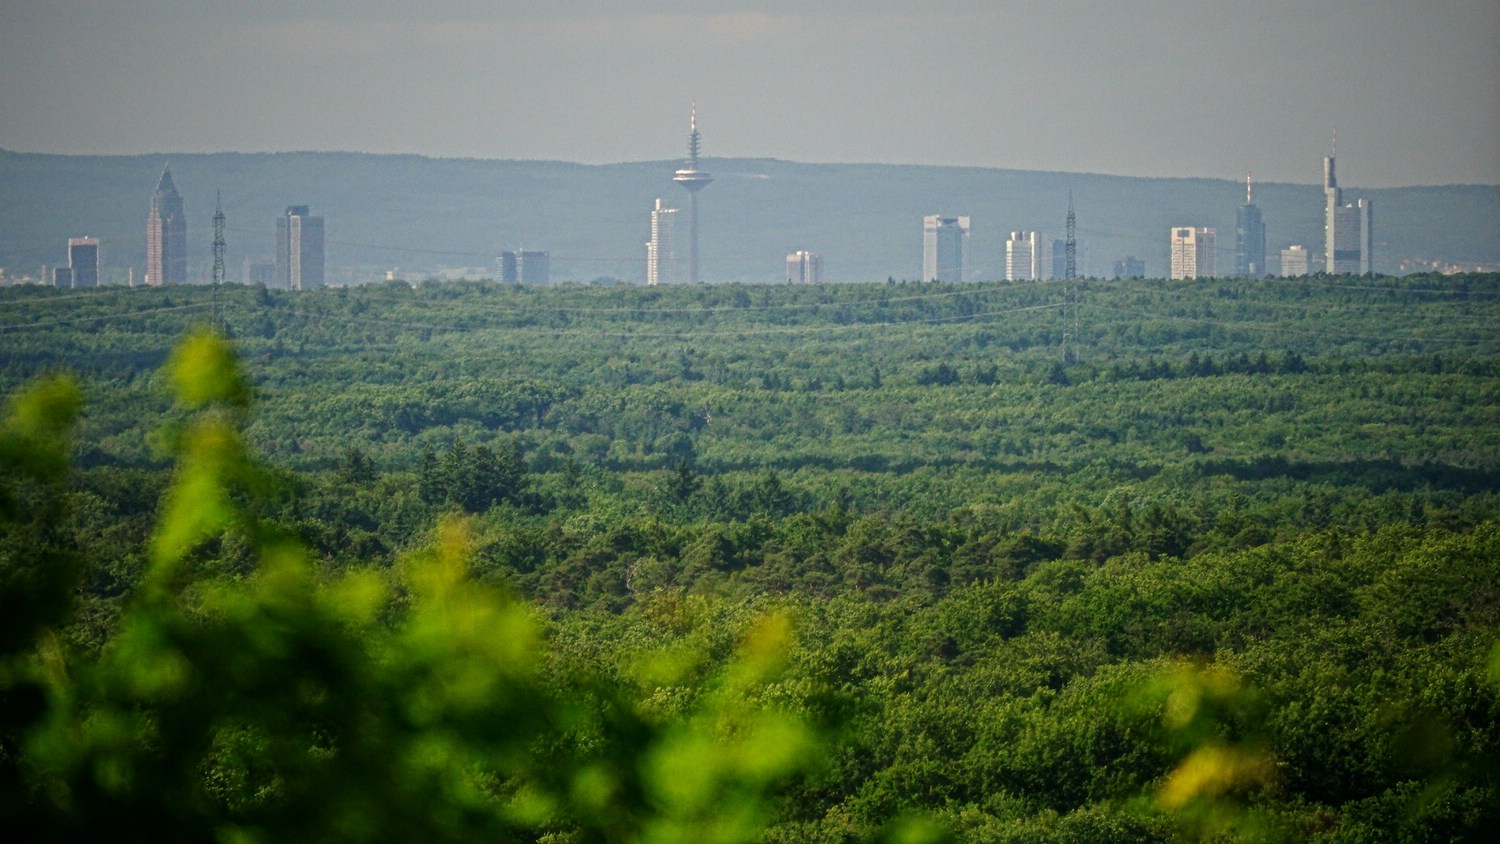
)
(299, 249)
(1130, 266)
(1029, 256)
(694, 180)
(1249, 238)
(166, 235)
(505, 265)
(1059, 262)
(260, 272)
(661, 249)
(803, 267)
(533, 267)
(83, 260)
(945, 248)
(1294, 261)
(1193, 252)
(1347, 238)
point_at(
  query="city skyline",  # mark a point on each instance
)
(827, 209)
(1412, 85)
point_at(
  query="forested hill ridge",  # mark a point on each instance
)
(996, 562)
(419, 215)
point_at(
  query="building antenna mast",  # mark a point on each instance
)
(218, 262)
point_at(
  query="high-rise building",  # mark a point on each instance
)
(1347, 236)
(83, 260)
(1249, 238)
(803, 267)
(1029, 256)
(694, 180)
(61, 276)
(505, 266)
(1194, 252)
(1130, 266)
(533, 267)
(166, 235)
(299, 249)
(945, 248)
(260, 272)
(1060, 258)
(1294, 261)
(661, 249)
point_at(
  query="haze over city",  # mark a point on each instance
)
(1149, 89)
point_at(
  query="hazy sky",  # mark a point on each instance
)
(1147, 87)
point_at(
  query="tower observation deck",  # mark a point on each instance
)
(694, 180)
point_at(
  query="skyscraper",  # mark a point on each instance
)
(661, 249)
(694, 180)
(1249, 238)
(533, 267)
(1028, 256)
(1130, 266)
(260, 272)
(83, 260)
(1194, 252)
(1346, 228)
(945, 248)
(1294, 261)
(506, 266)
(299, 249)
(803, 267)
(166, 235)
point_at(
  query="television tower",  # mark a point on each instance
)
(694, 180)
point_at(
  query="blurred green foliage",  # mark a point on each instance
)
(402, 705)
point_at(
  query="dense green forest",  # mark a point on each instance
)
(1120, 561)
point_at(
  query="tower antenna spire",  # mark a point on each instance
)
(693, 137)
(1248, 194)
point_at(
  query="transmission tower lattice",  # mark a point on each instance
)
(218, 262)
(1070, 293)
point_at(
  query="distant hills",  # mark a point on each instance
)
(423, 215)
